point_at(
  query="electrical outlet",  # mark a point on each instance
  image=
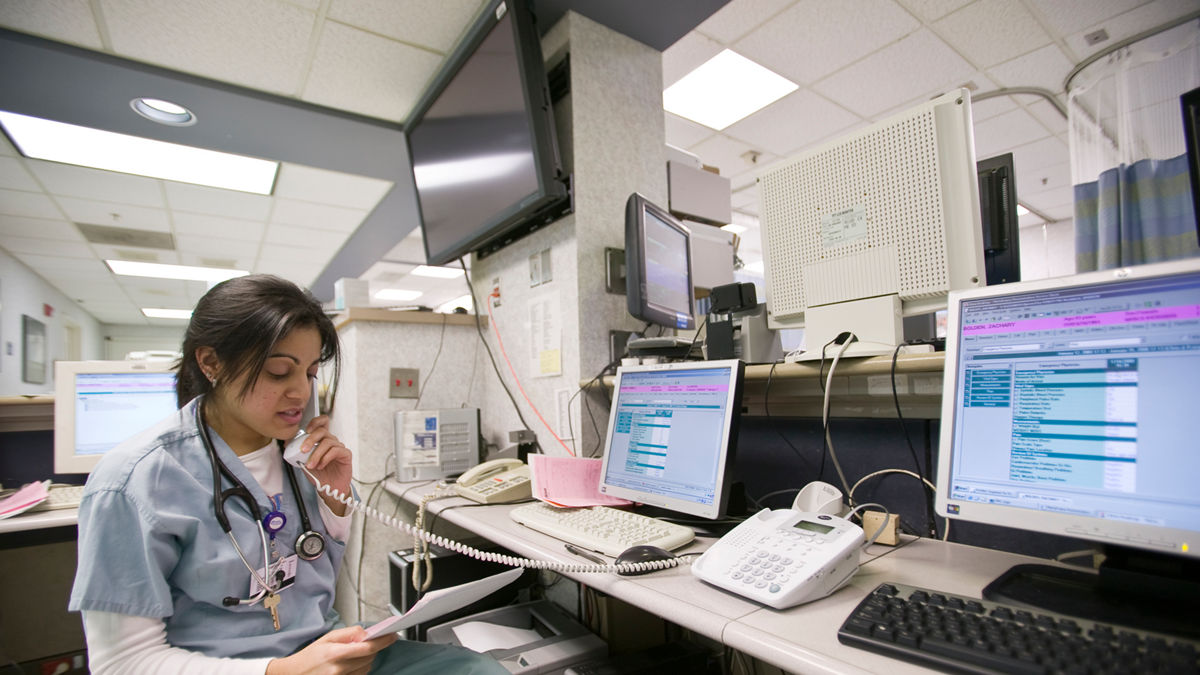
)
(403, 382)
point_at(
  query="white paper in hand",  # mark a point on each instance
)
(436, 603)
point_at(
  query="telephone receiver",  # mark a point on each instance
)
(291, 453)
(495, 482)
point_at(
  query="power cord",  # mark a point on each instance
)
(929, 521)
(845, 340)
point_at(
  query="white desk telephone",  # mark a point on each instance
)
(495, 482)
(291, 453)
(783, 558)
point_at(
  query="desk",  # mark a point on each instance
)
(40, 520)
(801, 639)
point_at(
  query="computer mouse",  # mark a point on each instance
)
(638, 554)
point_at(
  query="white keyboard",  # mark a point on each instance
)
(60, 497)
(600, 528)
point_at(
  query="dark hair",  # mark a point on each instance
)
(242, 319)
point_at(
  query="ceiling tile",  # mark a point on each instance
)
(1069, 17)
(301, 275)
(117, 215)
(325, 240)
(262, 44)
(1133, 22)
(384, 78)
(932, 10)
(683, 133)
(1047, 152)
(988, 32)
(1048, 115)
(727, 155)
(42, 228)
(298, 255)
(215, 202)
(990, 107)
(799, 120)
(913, 68)
(317, 216)
(53, 266)
(193, 248)
(737, 18)
(1000, 134)
(48, 247)
(688, 53)
(63, 20)
(108, 186)
(29, 204)
(434, 24)
(329, 187)
(1030, 184)
(1046, 68)
(201, 226)
(135, 254)
(13, 176)
(807, 41)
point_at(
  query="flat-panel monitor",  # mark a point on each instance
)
(672, 435)
(1190, 102)
(873, 227)
(1000, 225)
(1067, 410)
(99, 404)
(658, 266)
(482, 140)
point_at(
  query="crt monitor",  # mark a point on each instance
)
(873, 227)
(672, 433)
(658, 266)
(1067, 410)
(98, 404)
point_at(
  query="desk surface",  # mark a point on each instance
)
(39, 520)
(800, 639)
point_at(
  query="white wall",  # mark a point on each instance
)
(23, 292)
(1048, 250)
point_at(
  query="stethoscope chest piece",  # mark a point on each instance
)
(310, 545)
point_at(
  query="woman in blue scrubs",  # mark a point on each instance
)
(160, 581)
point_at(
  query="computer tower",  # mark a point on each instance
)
(449, 569)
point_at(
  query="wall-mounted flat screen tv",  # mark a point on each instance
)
(482, 140)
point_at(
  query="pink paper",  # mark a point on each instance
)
(26, 498)
(569, 481)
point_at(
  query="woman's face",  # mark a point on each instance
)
(273, 406)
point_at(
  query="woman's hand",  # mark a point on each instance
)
(328, 460)
(338, 652)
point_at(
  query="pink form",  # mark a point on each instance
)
(569, 481)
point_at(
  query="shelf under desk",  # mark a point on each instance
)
(802, 639)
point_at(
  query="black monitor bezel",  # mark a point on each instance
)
(999, 220)
(551, 199)
(636, 301)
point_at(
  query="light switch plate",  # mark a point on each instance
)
(403, 382)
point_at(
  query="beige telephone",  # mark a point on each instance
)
(494, 482)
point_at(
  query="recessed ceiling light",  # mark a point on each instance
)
(163, 313)
(163, 112)
(437, 272)
(70, 144)
(396, 295)
(161, 271)
(725, 89)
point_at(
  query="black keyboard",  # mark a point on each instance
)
(961, 634)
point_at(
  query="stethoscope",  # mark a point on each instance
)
(309, 545)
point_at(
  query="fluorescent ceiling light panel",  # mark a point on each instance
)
(161, 271)
(725, 89)
(396, 294)
(437, 272)
(1021, 210)
(70, 144)
(162, 313)
(736, 229)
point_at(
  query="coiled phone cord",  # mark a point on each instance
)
(489, 556)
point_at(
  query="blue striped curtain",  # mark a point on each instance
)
(1134, 214)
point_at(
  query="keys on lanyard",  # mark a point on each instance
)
(271, 602)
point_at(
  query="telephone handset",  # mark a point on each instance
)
(783, 558)
(292, 454)
(495, 482)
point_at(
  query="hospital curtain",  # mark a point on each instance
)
(1133, 200)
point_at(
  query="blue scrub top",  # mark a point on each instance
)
(150, 545)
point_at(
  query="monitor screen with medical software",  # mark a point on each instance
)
(672, 433)
(98, 404)
(1068, 407)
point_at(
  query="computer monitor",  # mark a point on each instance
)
(1067, 410)
(1000, 224)
(672, 433)
(658, 266)
(876, 226)
(98, 404)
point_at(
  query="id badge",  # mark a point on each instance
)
(286, 565)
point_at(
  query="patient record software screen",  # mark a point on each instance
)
(669, 434)
(1081, 401)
